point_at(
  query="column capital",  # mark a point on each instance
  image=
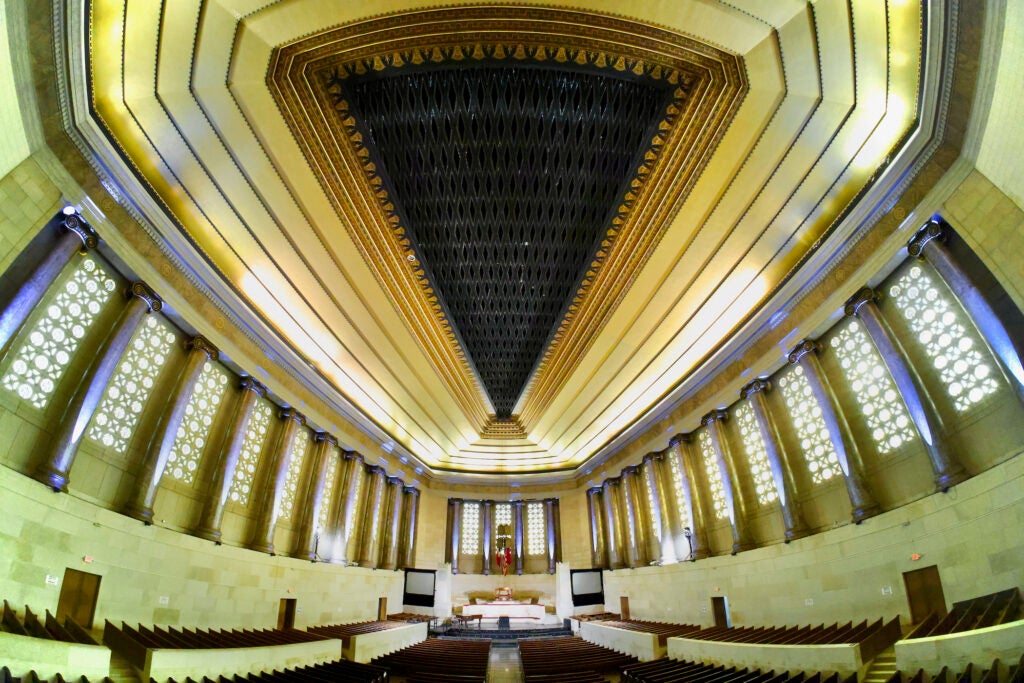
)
(487, 503)
(758, 385)
(631, 469)
(716, 415)
(517, 503)
(201, 343)
(802, 349)
(865, 295)
(352, 455)
(594, 490)
(932, 230)
(396, 481)
(613, 481)
(550, 501)
(652, 457)
(377, 469)
(140, 290)
(682, 437)
(73, 222)
(249, 383)
(411, 490)
(319, 437)
(289, 413)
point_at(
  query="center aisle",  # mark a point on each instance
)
(504, 664)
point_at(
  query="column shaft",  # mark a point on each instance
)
(517, 523)
(77, 237)
(735, 500)
(151, 472)
(308, 533)
(373, 522)
(351, 510)
(598, 554)
(389, 551)
(549, 523)
(613, 537)
(632, 517)
(410, 511)
(928, 244)
(455, 539)
(946, 466)
(54, 470)
(778, 460)
(487, 549)
(660, 547)
(694, 493)
(277, 474)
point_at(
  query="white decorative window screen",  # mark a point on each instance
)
(873, 387)
(712, 473)
(951, 342)
(536, 543)
(757, 457)
(330, 474)
(291, 483)
(252, 446)
(678, 494)
(470, 528)
(655, 518)
(350, 523)
(503, 514)
(53, 340)
(194, 430)
(118, 413)
(804, 411)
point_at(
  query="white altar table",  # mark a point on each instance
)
(513, 610)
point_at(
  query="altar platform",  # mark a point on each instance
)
(504, 608)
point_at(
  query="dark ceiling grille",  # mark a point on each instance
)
(506, 178)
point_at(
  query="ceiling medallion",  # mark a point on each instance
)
(705, 85)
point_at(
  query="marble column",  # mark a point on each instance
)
(557, 512)
(324, 446)
(410, 512)
(455, 537)
(598, 554)
(929, 244)
(63, 446)
(351, 508)
(389, 551)
(550, 505)
(779, 462)
(946, 466)
(862, 499)
(76, 236)
(487, 546)
(151, 471)
(695, 497)
(227, 461)
(632, 517)
(661, 546)
(373, 519)
(613, 537)
(517, 525)
(276, 479)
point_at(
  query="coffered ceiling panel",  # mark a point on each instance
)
(365, 178)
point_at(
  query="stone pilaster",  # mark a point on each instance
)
(695, 495)
(736, 504)
(410, 515)
(277, 474)
(598, 554)
(324, 446)
(519, 547)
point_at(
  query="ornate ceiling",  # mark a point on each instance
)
(504, 235)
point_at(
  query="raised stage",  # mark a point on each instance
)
(513, 610)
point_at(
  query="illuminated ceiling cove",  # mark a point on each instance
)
(504, 235)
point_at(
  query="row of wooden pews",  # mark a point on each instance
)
(440, 661)
(341, 671)
(675, 671)
(995, 673)
(981, 612)
(205, 639)
(49, 627)
(796, 635)
(409, 617)
(32, 677)
(345, 632)
(562, 660)
(663, 630)
(598, 616)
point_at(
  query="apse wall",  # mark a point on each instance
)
(853, 572)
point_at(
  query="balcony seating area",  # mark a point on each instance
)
(32, 677)
(203, 639)
(409, 617)
(663, 630)
(568, 659)
(341, 671)
(48, 627)
(442, 661)
(599, 616)
(676, 671)
(988, 610)
(792, 635)
(996, 672)
(345, 632)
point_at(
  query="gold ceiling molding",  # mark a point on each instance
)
(307, 77)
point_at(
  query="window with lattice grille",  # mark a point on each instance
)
(330, 473)
(805, 413)
(757, 456)
(118, 413)
(255, 438)
(953, 345)
(291, 485)
(470, 533)
(536, 541)
(712, 474)
(678, 492)
(194, 431)
(50, 344)
(879, 401)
